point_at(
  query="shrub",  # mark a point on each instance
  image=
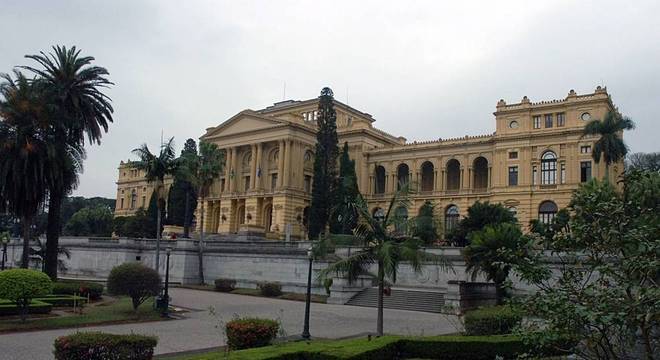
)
(35, 307)
(81, 288)
(225, 285)
(270, 289)
(100, 346)
(64, 301)
(22, 285)
(491, 320)
(247, 333)
(135, 280)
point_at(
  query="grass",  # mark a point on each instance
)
(255, 292)
(119, 311)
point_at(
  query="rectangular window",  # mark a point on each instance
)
(563, 173)
(513, 175)
(273, 181)
(585, 171)
(585, 149)
(561, 119)
(548, 120)
(247, 183)
(537, 121)
(222, 185)
(122, 203)
(513, 155)
(534, 175)
(308, 184)
(144, 201)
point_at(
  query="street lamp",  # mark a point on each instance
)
(166, 295)
(4, 238)
(308, 298)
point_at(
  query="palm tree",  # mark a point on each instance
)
(156, 168)
(25, 145)
(610, 145)
(487, 251)
(200, 170)
(74, 91)
(382, 245)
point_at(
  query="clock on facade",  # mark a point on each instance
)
(585, 116)
(513, 124)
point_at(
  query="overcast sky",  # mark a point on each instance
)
(424, 70)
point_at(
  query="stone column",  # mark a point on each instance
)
(258, 167)
(234, 169)
(280, 164)
(490, 176)
(287, 164)
(227, 169)
(470, 178)
(253, 165)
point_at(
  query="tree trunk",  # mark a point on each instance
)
(186, 215)
(500, 292)
(53, 234)
(607, 171)
(25, 256)
(158, 232)
(381, 285)
(200, 253)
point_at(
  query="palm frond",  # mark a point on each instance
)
(351, 267)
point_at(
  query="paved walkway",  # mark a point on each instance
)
(201, 329)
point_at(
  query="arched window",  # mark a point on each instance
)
(547, 212)
(548, 168)
(379, 186)
(378, 214)
(453, 174)
(427, 176)
(514, 211)
(400, 225)
(480, 173)
(247, 158)
(402, 175)
(451, 218)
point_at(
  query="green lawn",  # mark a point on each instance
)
(118, 311)
(255, 292)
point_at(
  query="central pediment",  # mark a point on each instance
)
(243, 122)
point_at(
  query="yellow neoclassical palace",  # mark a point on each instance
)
(531, 164)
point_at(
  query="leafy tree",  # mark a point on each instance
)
(140, 225)
(24, 150)
(610, 145)
(73, 204)
(156, 167)
(183, 195)
(605, 289)
(200, 170)
(22, 285)
(73, 89)
(643, 161)
(479, 215)
(484, 254)
(345, 218)
(382, 246)
(425, 224)
(559, 224)
(90, 221)
(135, 280)
(325, 165)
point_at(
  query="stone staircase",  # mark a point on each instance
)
(401, 299)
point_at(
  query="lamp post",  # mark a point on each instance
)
(4, 238)
(166, 295)
(308, 298)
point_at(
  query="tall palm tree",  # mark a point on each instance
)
(383, 245)
(200, 170)
(25, 145)
(156, 167)
(610, 145)
(74, 91)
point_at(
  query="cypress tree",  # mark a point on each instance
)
(426, 227)
(325, 165)
(344, 218)
(183, 195)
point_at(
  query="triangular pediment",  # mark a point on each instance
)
(245, 121)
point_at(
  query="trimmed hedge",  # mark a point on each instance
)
(35, 307)
(225, 285)
(63, 301)
(495, 320)
(82, 288)
(391, 347)
(101, 346)
(270, 289)
(247, 333)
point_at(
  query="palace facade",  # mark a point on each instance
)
(532, 163)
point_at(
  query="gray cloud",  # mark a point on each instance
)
(423, 69)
